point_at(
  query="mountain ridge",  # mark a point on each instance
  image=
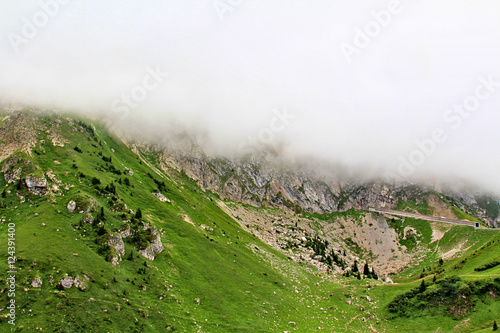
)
(86, 206)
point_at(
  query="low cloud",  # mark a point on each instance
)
(225, 68)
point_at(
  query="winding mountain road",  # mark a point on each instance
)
(426, 217)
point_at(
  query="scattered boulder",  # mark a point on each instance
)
(36, 283)
(292, 323)
(389, 280)
(36, 185)
(80, 284)
(67, 282)
(130, 172)
(197, 301)
(71, 206)
(204, 227)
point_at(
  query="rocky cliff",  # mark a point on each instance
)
(267, 180)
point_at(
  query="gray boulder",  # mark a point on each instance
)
(67, 282)
(36, 283)
(71, 206)
(36, 185)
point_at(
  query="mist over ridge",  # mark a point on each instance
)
(410, 99)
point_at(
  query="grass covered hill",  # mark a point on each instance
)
(107, 241)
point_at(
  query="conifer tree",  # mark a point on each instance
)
(355, 266)
(138, 214)
(366, 270)
(422, 286)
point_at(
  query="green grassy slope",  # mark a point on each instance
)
(213, 279)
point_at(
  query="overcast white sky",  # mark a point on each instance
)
(231, 63)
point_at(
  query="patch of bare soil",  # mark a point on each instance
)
(440, 208)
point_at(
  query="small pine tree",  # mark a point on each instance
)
(138, 214)
(95, 181)
(434, 279)
(495, 326)
(441, 262)
(4, 194)
(422, 286)
(374, 275)
(355, 266)
(366, 269)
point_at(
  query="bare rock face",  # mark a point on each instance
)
(126, 232)
(36, 283)
(117, 242)
(36, 185)
(264, 178)
(156, 244)
(71, 206)
(161, 197)
(148, 253)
